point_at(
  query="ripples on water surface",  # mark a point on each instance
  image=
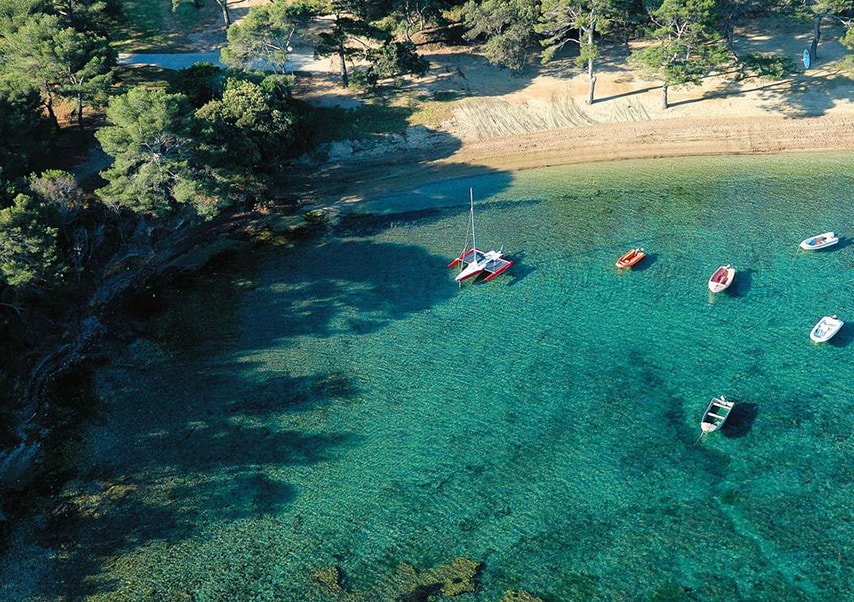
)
(344, 403)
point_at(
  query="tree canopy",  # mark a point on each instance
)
(262, 40)
(58, 61)
(685, 46)
(152, 144)
(576, 21)
(28, 254)
(507, 28)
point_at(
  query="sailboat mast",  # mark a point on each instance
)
(471, 199)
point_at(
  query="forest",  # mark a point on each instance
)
(208, 141)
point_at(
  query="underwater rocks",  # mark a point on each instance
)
(520, 596)
(330, 578)
(408, 584)
(458, 577)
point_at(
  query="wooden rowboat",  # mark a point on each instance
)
(716, 414)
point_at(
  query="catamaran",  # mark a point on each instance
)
(472, 261)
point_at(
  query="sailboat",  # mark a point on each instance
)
(472, 261)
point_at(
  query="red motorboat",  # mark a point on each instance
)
(631, 258)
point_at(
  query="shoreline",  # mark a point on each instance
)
(350, 182)
(679, 137)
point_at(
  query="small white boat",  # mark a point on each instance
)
(820, 241)
(716, 414)
(825, 329)
(722, 278)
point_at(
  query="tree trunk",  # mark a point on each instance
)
(223, 4)
(591, 87)
(591, 79)
(343, 57)
(816, 38)
(80, 111)
(729, 33)
(49, 106)
(664, 102)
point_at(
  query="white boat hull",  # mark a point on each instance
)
(821, 241)
(825, 329)
(472, 269)
(722, 278)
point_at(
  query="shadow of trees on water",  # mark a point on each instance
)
(196, 429)
(196, 457)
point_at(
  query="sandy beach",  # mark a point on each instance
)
(540, 117)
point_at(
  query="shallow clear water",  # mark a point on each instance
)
(346, 403)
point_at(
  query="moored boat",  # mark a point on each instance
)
(716, 413)
(474, 262)
(825, 329)
(722, 278)
(820, 241)
(631, 258)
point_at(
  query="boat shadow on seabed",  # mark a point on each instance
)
(520, 270)
(740, 420)
(742, 283)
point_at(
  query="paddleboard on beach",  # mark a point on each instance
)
(807, 58)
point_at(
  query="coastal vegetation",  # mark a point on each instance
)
(185, 148)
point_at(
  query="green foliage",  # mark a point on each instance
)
(251, 118)
(767, 65)
(58, 60)
(573, 21)
(92, 16)
(848, 37)
(21, 131)
(507, 28)
(686, 45)
(394, 59)
(167, 156)
(201, 83)
(152, 145)
(247, 135)
(262, 39)
(28, 256)
(59, 189)
(405, 17)
(348, 21)
(841, 8)
(579, 22)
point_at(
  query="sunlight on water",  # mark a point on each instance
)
(355, 407)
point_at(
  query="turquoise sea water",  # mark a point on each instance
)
(346, 403)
